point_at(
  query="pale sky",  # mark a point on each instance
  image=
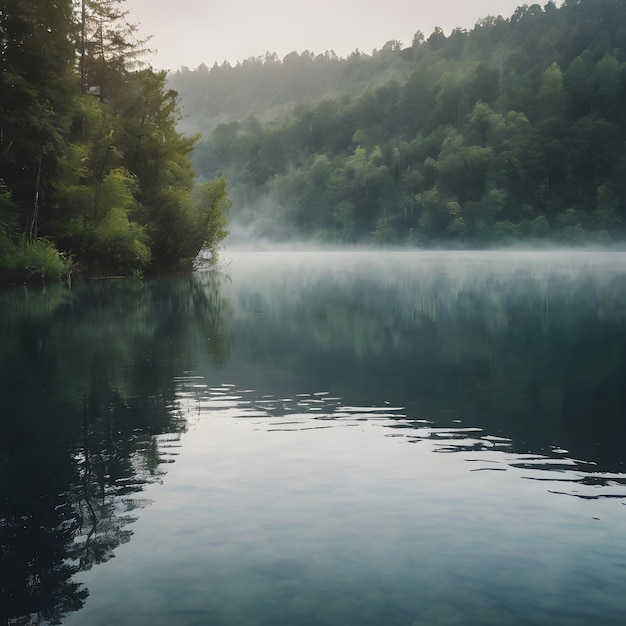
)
(191, 32)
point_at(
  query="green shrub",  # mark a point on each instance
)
(115, 246)
(38, 261)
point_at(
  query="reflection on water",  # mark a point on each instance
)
(524, 346)
(88, 418)
(486, 452)
(372, 438)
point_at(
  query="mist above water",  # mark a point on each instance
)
(348, 435)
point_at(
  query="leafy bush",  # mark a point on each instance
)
(213, 205)
(183, 225)
(32, 262)
(115, 245)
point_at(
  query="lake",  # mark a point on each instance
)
(319, 438)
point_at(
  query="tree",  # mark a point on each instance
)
(211, 219)
(36, 99)
(463, 172)
(107, 44)
(418, 39)
(579, 83)
(486, 119)
(437, 38)
(90, 154)
(551, 97)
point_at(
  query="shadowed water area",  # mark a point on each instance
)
(320, 439)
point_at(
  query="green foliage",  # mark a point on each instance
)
(36, 98)
(91, 158)
(7, 211)
(504, 233)
(116, 245)
(185, 224)
(38, 261)
(213, 205)
(539, 227)
(513, 123)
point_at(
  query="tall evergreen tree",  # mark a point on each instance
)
(90, 156)
(107, 44)
(36, 98)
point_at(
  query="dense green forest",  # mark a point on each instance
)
(94, 174)
(511, 131)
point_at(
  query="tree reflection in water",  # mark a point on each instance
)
(88, 418)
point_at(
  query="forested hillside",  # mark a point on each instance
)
(514, 130)
(94, 174)
(267, 88)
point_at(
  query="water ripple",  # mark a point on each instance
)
(318, 410)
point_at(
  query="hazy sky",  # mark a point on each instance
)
(190, 32)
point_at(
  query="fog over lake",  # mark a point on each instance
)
(319, 437)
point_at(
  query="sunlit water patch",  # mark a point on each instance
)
(486, 452)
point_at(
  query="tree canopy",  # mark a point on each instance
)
(513, 130)
(93, 170)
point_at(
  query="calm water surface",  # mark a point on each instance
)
(319, 439)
